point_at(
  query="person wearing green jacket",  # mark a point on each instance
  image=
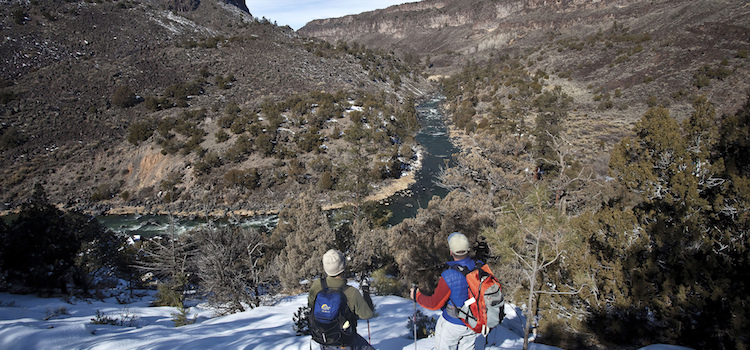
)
(360, 307)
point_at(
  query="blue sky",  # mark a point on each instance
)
(296, 13)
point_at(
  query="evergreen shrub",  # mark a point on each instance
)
(180, 318)
(383, 284)
(425, 325)
(124, 97)
(300, 318)
(168, 294)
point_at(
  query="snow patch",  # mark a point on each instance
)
(181, 25)
(23, 326)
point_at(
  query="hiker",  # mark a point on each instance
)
(452, 289)
(356, 306)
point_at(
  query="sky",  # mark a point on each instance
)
(296, 13)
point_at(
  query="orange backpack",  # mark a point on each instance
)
(484, 309)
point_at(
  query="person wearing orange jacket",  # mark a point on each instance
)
(451, 292)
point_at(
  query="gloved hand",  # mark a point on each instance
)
(365, 285)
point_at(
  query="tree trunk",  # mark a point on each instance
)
(532, 288)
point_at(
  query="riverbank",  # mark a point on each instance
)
(216, 213)
(461, 140)
(388, 189)
(380, 192)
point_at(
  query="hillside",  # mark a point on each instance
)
(639, 49)
(602, 173)
(80, 78)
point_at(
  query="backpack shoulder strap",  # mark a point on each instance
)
(323, 284)
(462, 269)
(465, 270)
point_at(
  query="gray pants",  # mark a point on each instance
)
(359, 344)
(449, 336)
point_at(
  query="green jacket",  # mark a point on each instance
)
(356, 302)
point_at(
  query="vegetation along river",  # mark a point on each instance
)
(437, 150)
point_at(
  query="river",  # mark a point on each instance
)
(153, 225)
(437, 151)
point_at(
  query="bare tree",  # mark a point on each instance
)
(226, 266)
(167, 256)
(167, 259)
(568, 184)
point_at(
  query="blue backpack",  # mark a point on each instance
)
(329, 319)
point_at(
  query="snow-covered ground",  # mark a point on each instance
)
(29, 322)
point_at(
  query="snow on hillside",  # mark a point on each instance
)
(29, 322)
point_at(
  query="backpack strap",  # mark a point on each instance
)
(465, 270)
(453, 309)
(324, 286)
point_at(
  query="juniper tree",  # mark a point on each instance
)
(552, 107)
(495, 174)
(124, 97)
(677, 246)
(46, 248)
(305, 235)
(419, 244)
(368, 251)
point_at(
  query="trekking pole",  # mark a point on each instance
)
(369, 339)
(364, 285)
(414, 319)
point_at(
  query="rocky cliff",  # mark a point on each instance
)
(434, 26)
(451, 32)
(642, 48)
(614, 59)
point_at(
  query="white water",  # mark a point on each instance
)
(154, 225)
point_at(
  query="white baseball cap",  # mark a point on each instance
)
(458, 243)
